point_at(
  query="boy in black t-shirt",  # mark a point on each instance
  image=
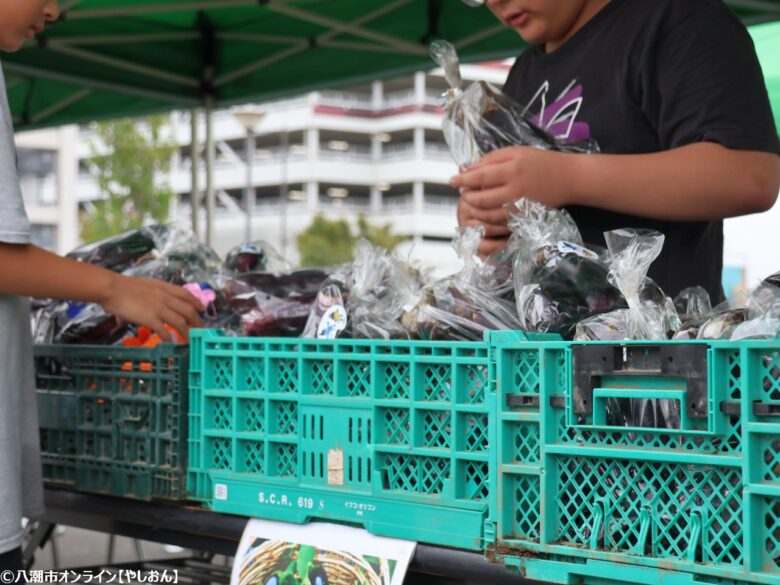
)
(672, 92)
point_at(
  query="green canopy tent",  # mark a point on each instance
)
(109, 58)
(112, 58)
(122, 57)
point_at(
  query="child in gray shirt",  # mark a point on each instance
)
(26, 270)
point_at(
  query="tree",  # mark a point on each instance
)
(380, 235)
(329, 242)
(127, 160)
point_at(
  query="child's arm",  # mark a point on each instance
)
(697, 182)
(29, 271)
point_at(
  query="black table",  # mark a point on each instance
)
(192, 527)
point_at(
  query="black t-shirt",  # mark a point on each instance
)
(645, 76)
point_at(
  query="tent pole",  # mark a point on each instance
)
(195, 155)
(210, 202)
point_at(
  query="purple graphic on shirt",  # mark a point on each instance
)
(560, 117)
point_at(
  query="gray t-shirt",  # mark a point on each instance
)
(21, 484)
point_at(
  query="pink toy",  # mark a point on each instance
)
(206, 296)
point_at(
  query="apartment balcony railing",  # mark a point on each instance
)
(355, 153)
(344, 99)
(406, 97)
(437, 151)
(404, 150)
(431, 204)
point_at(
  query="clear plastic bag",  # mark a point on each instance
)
(120, 252)
(722, 322)
(650, 314)
(479, 118)
(366, 299)
(166, 252)
(465, 305)
(694, 308)
(328, 314)
(643, 413)
(558, 281)
(383, 286)
(763, 320)
(274, 304)
(535, 229)
(257, 256)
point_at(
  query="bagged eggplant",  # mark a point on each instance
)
(120, 252)
(650, 313)
(763, 306)
(272, 298)
(165, 252)
(255, 257)
(383, 286)
(722, 322)
(274, 305)
(327, 317)
(694, 307)
(366, 299)
(479, 118)
(558, 281)
(463, 306)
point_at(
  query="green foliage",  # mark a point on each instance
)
(380, 235)
(127, 160)
(329, 242)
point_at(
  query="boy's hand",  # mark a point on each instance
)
(496, 236)
(490, 187)
(504, 176)
(153, 303)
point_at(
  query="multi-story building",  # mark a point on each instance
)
(375, 149)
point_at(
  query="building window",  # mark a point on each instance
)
(36, 170)
(44, 236)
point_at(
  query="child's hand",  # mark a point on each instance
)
(153, 303)
(506, 175)
(496, 236)
(490, 187)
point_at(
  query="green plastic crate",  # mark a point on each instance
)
(392, 436)
(577, 500)
(113, 420)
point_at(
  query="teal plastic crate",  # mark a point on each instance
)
(389, 435)
(113, 420)
(579, 500)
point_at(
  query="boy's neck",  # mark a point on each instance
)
(590, 9)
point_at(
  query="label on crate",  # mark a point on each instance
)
(333, 322)
(335, 467)
(220, 491)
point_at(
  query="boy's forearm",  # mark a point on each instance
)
(697, 182)
(30, 271)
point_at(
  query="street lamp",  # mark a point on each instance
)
(249, 119)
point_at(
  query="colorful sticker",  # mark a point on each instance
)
(333, 322)
(571, 248)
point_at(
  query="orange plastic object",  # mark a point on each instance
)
(145, 338)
